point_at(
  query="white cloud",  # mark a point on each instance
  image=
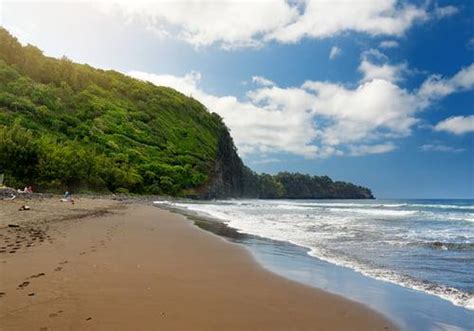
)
(446, 11)
(322, 19)
(391, 73)
(231, 24)
(374, 66)
(456, 124)
(335, 52)
(441, 148)
(372, 111)
(389, 44)
(320, 119)
(251, 24)
(372, 149)
(262, 81)
(437, 87)
(265, 161)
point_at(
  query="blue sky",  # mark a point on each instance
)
(378, 93)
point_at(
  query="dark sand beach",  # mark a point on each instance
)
(107, 265)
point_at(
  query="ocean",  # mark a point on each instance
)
(425, 246)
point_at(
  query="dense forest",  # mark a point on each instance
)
(65, 125)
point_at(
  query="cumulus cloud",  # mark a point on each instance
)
(335, 52)
(441, 148)
(320, 119)
(322, 19)
(389, 44)
(374, 65)
(456, 124)
(251, 24)
(436, 87)
(387, 72)
(232, 24)
(262, 81)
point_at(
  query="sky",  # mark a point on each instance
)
(379, 93)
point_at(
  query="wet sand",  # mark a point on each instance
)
(137, 267)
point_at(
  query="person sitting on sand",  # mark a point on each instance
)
(67, 197)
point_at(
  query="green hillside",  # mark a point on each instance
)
(64, 125)
(69, 126)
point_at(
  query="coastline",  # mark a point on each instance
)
(410, 308)
(139, 267)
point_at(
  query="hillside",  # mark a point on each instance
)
(65, 125)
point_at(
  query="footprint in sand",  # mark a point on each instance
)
(58, 268)
(41, 274)
(31, 294)
(56, 314)
(23, 285)
(82, 253)
(2, 294)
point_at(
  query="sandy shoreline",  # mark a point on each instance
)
(137, 267)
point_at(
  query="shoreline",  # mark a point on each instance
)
(142, 267)
(410, 309)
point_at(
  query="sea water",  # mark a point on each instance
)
(423, 245)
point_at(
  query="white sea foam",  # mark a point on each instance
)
(440, 206)
(162, 202)
(376, 212)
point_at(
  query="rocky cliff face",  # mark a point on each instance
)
(227, 177)
(230, 178)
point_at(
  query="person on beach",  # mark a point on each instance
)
(27, 189)
(68, 197)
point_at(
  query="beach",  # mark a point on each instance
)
(110, 265)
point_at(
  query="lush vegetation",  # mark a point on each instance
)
(65, 125)
(300, 186)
